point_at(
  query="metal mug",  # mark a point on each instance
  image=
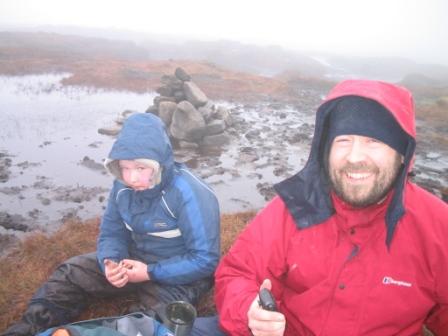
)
(179, 317)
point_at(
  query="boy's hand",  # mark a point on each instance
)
(115, 273)
(135, 270)
(263, 322)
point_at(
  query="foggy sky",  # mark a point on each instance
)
(414, 29)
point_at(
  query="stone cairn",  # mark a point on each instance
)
(190, 118)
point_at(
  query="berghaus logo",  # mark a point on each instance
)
(387, 280)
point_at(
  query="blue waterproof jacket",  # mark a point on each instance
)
(174, 227)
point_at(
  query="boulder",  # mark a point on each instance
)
(179, 95)
(223, 113)
(194, 94)
(207, 111)
(158, 99)
(165, 90)
(185, 119)
(152, 109)
(172, 82)
(217, 140)
(166, 111)
(215, 127)
(182, 75)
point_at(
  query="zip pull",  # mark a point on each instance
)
(353, 253)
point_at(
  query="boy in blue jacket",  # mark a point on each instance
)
(159, 236)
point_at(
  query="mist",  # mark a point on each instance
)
(410, 29)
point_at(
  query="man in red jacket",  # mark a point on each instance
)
(349, 246)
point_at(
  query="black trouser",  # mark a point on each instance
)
(78, 280)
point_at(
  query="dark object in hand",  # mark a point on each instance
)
(267, 301)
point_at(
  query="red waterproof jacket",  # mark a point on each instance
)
(336, 270)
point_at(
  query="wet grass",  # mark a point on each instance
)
(29, 265)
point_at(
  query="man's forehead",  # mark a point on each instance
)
(354, 115)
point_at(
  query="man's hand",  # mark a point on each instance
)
(135, 270)
(115, 273)
(263, 322)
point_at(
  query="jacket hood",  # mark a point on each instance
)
(307, 194)
(143, 136)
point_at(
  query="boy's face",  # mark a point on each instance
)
(136, 175)
(362, 170)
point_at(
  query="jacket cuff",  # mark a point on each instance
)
(150, 270)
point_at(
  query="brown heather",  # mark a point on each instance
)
(29, 265)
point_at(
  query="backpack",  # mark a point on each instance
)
(135, 324)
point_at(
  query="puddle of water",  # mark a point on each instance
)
(48, 130)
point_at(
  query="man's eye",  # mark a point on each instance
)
(342, 140)
(374, 141)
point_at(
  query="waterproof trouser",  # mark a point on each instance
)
(79, 280)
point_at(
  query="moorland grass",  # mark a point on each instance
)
(29, 265)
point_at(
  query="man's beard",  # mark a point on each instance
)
(360, 196)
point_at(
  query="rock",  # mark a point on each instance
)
(223, 113)
(182, 75)
(266, 190)
(14, 222)
(252, 134)
(158, 99)
(179, 95)
(171, 81)
(166, 111)
(113, 130)
(185, 119)
(196, 134)
(152, 109)
(247, 154)
(279, 171)
(166, 91)
(215, 127)
(433, 156)
(5, 164)
(91, 164)
(188, 145)
(207, 111)
(45, 201)
(215, 140)
(194, 94)
(124, 115)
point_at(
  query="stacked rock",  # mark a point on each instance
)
(189, 116)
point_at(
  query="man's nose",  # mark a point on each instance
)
(357, 152)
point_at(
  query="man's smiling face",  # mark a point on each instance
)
(362, 170)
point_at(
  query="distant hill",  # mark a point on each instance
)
(268, 61)
(75, 42)
(26, 44)
(391, 69)
(135, 61)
